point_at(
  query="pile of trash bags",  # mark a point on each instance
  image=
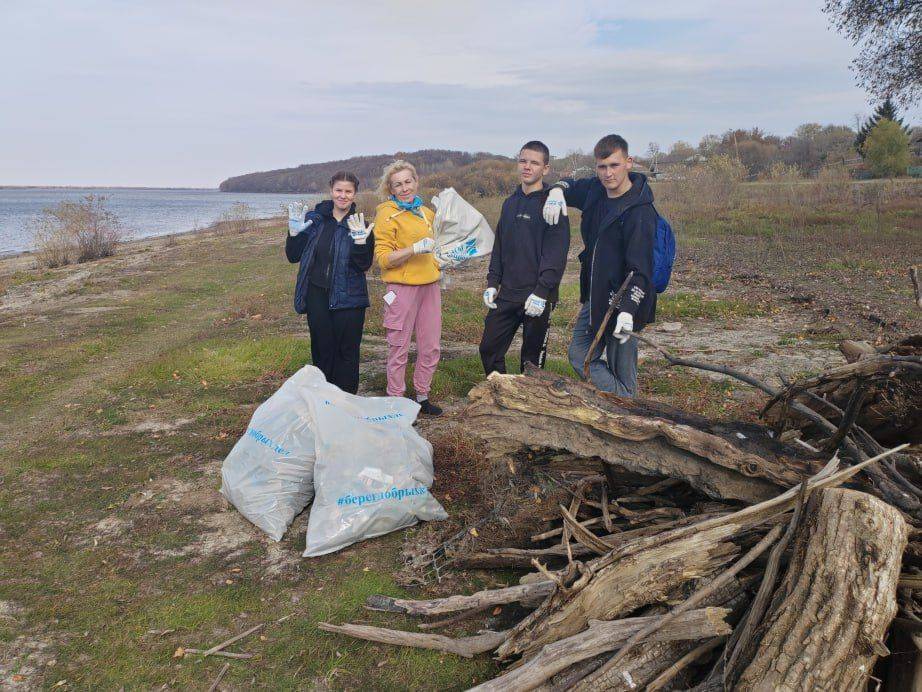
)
(359, 459)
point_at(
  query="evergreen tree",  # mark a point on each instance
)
(885, 111)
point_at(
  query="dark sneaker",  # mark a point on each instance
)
(427, 408)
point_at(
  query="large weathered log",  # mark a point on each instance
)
(605, 636)
(740, 462)
(827, 621)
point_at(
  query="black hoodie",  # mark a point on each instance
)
(529, 256)
(618, 238)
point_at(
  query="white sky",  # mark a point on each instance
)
(168, 93)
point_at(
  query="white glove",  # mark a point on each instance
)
(624, 326)
(296, 219)
(423, 246)
(357, 229)
(554, 206)
(534, 306)
(489, 298)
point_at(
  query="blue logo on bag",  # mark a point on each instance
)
(464, 251)
(394, 493)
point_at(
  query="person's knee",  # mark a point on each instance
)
(576, 356)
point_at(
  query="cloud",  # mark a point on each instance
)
(178, 93)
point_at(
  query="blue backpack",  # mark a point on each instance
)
(663, 253)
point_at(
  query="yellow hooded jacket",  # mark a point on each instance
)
(395, 229)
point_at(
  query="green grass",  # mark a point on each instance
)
(684, 305)
(218, 362)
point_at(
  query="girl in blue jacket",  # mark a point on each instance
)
(335, 249)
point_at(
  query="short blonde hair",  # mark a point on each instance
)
(384, 186)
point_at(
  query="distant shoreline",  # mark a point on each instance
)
(101, 187)
(13, 254)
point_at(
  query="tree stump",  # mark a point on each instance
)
(827, 621)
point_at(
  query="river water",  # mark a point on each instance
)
(144, 212)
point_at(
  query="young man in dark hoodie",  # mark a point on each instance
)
(528, 260)
(619, 231)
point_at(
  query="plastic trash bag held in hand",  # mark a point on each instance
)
(461, 232)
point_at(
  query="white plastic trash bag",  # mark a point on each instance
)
(461, 232)
(373, 471)
(269, 474)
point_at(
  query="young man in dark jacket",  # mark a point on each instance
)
(528, 260)
(619, 231)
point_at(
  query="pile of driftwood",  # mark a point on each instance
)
(688, 553)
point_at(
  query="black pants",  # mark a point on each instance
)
(499, 328)
(335, 339)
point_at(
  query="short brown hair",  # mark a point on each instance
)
(608, 145)
(540, 147)
(346, 177)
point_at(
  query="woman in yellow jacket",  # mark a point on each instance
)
(404, 241)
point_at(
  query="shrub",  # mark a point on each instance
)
(238, 219)
(710, 187)
(780, 172)
(833, 186)
(76, 231)
(886, 149)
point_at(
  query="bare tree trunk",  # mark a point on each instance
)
(827, 622)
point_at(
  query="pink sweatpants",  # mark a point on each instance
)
(419, 308)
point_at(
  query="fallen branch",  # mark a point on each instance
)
(468, 647)
(223, 654)
(451, 604)
(698, 652)
(232, 640)
(742, 635)
(891, 491)
(603, 636)
(217, 680)
(693, 600)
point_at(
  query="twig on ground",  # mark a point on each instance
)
(232, 640)
(224, 654)
(217, 680)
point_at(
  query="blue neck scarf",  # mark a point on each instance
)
(413, 206)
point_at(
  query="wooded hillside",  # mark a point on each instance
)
(315, 177)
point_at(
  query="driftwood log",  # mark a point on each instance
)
(604, 636)
(828, 619)
(740, 462)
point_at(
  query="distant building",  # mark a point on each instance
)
(673, 168)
